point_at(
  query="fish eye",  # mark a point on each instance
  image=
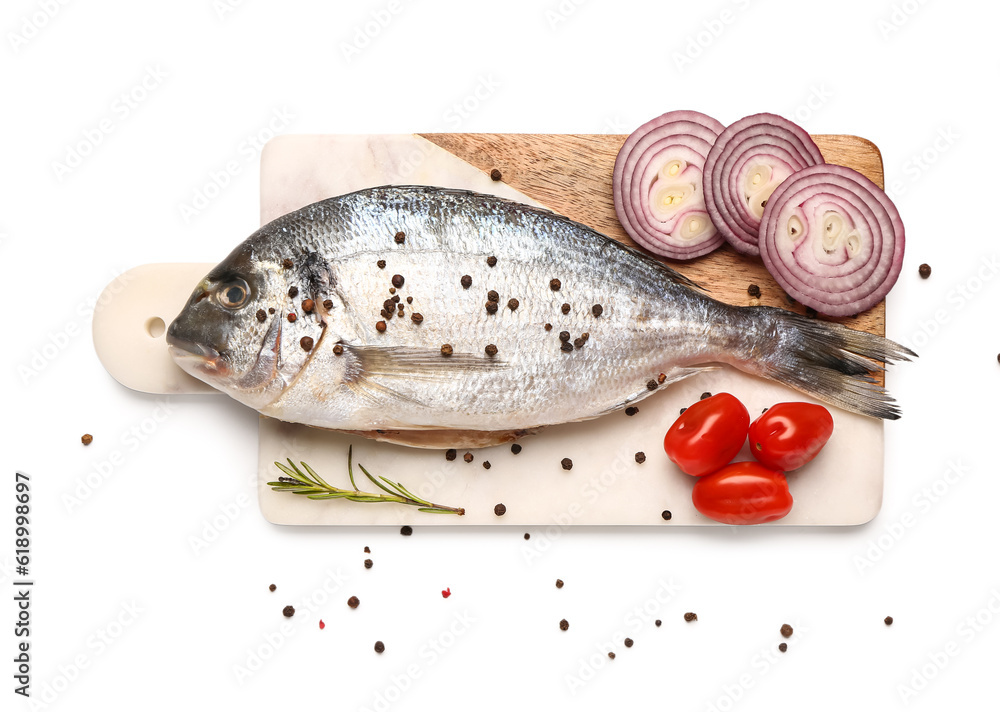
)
(233, 295)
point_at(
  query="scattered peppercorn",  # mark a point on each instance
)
(409, 300)
(597, 310)
(548, 327)
(783, 647)
(491, 350)
(406, 530)
(566, 346)
(500, 509)
(466, 281)
(753, 290)
(397, 280)
(658, 622)
(261, 315)
(495, 174)
(353, 602)
(682, 411)
(381, 264)
(640, 457)
(513, 304)
(564, 624)
(288, 611)
(491, 261)
(400, 237)
(87, 438)
(380, 326)
(565, 308)
(417, 317)
(611, 655)
(307, 305)
(559, 583)
(306, 342)
(666, 515)
(272, 588)
(486, 464)
(293, 291)
(367, 550)
(292, 318)
(491, 307)
(451, 454)
(388, 305)
(690, 617)
(515, 448)
(925, 270)
(446, 350)
(554, 285)
(888, 620)
(564, 336)
(493, 296)
(786, 630)
(661, 378)
(631, 410)
(270, 310)
(468, 457)
(527, 536)
(338, 349)
(379, 647)
(566, 463)
(705, 395)
(628, 642)
(651, 384)
(286, 263)
(369, 563)
(328, 304)
(579, 341)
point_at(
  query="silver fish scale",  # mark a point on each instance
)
(649, 324)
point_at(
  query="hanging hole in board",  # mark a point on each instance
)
(155, 327)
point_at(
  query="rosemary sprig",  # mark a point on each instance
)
(313, 486)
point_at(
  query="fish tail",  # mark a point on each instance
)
(826, 360)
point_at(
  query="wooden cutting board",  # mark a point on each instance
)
(571, 174)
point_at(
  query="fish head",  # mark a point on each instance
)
(228, 332)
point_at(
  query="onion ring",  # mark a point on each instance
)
(832, 239)
(658, 185)
(747, 163)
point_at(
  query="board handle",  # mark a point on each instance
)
(130, 325)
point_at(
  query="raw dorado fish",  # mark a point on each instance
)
(438, 317)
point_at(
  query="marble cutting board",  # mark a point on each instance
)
(843, 486)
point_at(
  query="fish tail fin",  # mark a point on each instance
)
(826, 360)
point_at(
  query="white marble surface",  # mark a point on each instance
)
(606, 485)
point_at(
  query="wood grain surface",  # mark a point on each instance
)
(571, 174)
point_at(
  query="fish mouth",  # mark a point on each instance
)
(194, 357)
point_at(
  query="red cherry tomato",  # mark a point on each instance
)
(708, 434)
(743, 493)
(788, 435)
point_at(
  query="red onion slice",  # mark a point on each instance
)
(832, 239)
(748, 161)
(658, 185)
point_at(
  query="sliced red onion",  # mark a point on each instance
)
(832, 239)
(748, 161)
(658, 185)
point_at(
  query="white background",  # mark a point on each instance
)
(129, 611)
